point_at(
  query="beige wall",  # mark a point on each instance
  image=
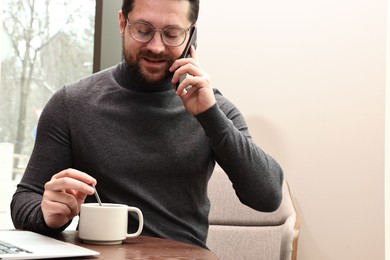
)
(310, 78)
(387, 140)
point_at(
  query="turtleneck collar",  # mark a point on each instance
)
(125, 77)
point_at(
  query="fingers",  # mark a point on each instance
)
(195, 90)
(54, 217)
(58, 208)
(63, 196)
(74, 174)
(195, 77)
(182, 62)
(56, 213)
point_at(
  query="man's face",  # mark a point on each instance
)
(152, 60)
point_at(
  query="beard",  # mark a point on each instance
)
(147, 75)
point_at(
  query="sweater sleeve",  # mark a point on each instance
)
(50, 155)
(257, 178)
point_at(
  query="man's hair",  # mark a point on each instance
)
(127, 7)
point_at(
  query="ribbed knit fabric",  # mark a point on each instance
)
(147, 151)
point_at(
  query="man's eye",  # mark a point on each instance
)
(171, 36)
(144, 32)
(172, 33)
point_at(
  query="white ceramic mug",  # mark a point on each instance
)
(106, 224)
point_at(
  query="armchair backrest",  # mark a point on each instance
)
(239, 232)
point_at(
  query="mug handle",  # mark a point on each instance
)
(140, 221)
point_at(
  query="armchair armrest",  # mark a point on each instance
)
(254, 234)
(295, 226)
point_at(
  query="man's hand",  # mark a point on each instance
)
(63, 196)
(200, 96)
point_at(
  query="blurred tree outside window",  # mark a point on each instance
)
(45, 44)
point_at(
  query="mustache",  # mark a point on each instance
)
(150, 55)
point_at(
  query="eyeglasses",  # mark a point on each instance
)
(170, 35)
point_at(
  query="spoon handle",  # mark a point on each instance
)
(97, 196)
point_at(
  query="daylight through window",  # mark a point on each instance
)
(44, 44)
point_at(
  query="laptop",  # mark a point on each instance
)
(18, 244)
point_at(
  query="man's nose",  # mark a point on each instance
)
(156, 45)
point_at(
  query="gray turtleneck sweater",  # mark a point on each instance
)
(145, 150)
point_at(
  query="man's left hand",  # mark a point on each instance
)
(200, 96)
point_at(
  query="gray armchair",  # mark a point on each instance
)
(239, 232)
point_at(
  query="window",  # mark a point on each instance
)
(44, 44)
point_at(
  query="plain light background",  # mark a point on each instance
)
(310, 77)
(387, 141)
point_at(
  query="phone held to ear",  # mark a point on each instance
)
(186, 52)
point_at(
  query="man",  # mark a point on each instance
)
(143, 143)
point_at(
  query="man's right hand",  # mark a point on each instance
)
(63, 196)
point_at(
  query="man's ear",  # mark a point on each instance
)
(122, 23)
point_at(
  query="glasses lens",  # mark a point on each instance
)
(173, 36)
(142, 32)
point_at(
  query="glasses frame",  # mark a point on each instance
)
(128, 23)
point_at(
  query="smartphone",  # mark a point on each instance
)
(186, 52)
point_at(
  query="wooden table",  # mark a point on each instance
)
(141, 248)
